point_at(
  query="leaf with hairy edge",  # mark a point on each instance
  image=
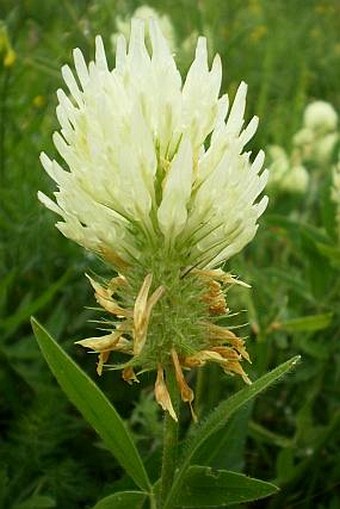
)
(93, 405)
(122, 500)
(218, 418)
(205, 487)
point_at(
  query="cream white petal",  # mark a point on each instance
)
(165, 99)
(67, 116)
(172, 213)
(72, 84)
(138, 57)
(224, 207)
(100, 56)
(236, 115)
(82, 235)
(199, 67)
(54, 170)
(120, 53)
(50, 204)
(161, 54)
(200, 95)
(222, 111)
(249, 131)
(81, 67)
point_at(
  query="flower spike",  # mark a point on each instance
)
(153, 177)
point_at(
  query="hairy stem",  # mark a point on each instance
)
(170, 439)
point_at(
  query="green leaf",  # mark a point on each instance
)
(306, 323)
(225, 448)
(265, 435)
(297, 284)
(218, 418)
(285, 468)
(93, 405)
(315, 347)
(5, 284)
(318, 270)
(27, 308)
(205, 487)
(327, 205)
(331, 252)
(294, 228)
(36, 502)
(122, 500)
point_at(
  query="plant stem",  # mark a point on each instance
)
(153, 500)
(199, 391)
(170, 439)
(3, 124)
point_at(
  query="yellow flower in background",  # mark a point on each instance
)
(39, 101)
(10, 58)
(158, 185)
(9, 55)
(258, 33)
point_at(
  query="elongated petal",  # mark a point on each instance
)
(172, 212)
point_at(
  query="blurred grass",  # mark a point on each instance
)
(289, 54)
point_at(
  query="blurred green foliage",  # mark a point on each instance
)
(289, 54)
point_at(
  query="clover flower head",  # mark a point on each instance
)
(279, 162)
(335, 194)
(286, 174)
(321, 117)
(145, 13)
(158, 185)
(304, 138)
(316, 141)
(297, 180)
